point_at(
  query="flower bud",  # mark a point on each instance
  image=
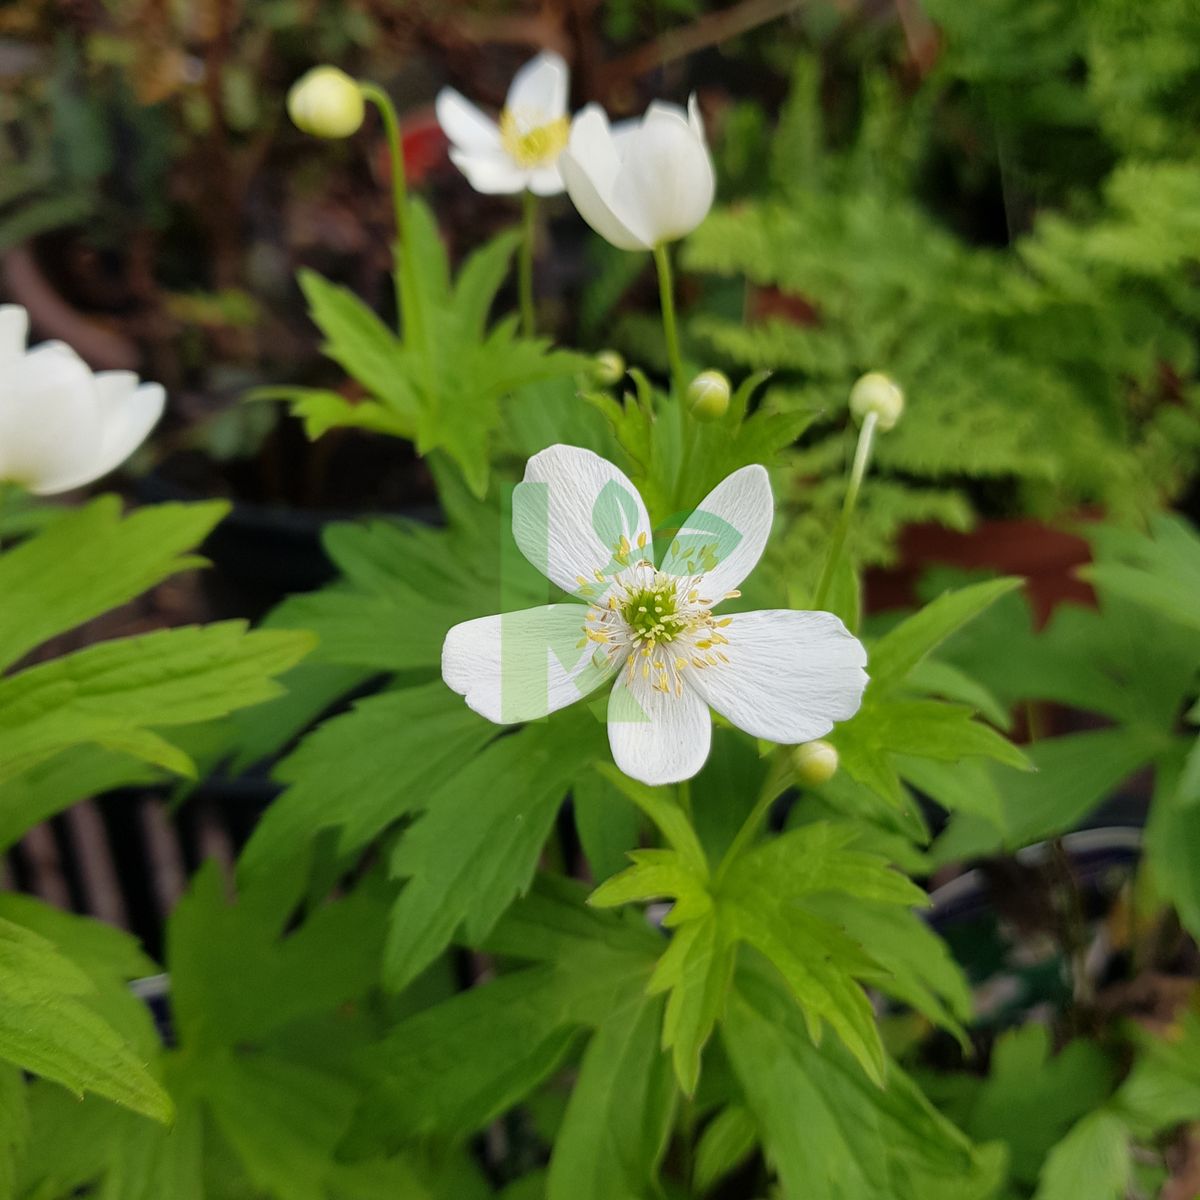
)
(875, 392)
(815, 762)
(327, 103)
(708, 395)
(608, 368)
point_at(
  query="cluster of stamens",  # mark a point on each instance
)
(661, 624)
(533, 145)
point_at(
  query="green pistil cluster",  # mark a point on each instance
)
(653, 614)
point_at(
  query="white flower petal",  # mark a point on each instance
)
(493, 174)
(570, 513)
(14, 330)
(127, 412)
(49, 417)
(731, 523)
(657, 737)
(666, 184)
(695, 120)
(590, 166)
(520, 666)
(538, 94)
(789, 677)
(546, 181)
(466, 126)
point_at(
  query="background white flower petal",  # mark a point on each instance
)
(590, 167)
(14, 329)
(467, 127)
(655, 737)
(546, 181)
(49, 418)
(539, 89)
(492, 173)
(666, 183)
(570, 513)
(520, 666)
(128, 411)
(789, 677)
(736, 517)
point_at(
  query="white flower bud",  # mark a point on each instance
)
(815, 762)
(708, 395)
(608, 368)
(326, 103)
(875, 392)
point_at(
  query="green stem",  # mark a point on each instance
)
(407, 302)
(862, 456)
(772, 789)
(685, 797)
(525, 264)
(666, 291)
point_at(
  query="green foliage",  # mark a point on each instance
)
(438, 384)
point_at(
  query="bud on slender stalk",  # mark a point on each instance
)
(876, 393)
(326, 103)
(815, 762)
(708, 395)
(608, 368)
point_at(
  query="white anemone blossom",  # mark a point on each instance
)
(652, 629)
(522, 151)
(61, 425)
(640, 184)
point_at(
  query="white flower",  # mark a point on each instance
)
(782, 675)
(62, 426)
(521, 152)
(644, 183)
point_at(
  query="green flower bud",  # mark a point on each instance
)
(815, 763)
(327, 103)
(708, 395)
(608, 368)
(876, 393)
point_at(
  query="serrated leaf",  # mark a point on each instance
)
(476, 846)
(901, 649)
(1095, 1160)
(618, 1119)
(108, 693)
(48, 1028)
(727, 1141)
(49, 586)
(657, 875)
(660, 806)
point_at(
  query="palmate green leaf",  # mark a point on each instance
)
(1173, 833)
(453, 1068)
(727, 1141)
(1031, 1098)
(1163, 1088)
(47, 1027)
(441, 384)
(56, 784)
(111, 693)
(620, 1112)
(322, 410)
(900, 650)
(236, 978)
(827, 1130)
(476, 846)
(14, 1127)
(1160, 572)
(49, 586)
(1095, 1160)
(364, 770)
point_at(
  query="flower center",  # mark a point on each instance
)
(652, 613)
(533, 145)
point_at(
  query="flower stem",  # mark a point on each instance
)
(772, 789)
(407, 302)
(666, 291)
(525, 264)
(862, 456)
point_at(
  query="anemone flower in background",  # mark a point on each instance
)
(61, 426)
(520, 153)
(644, 183)
(652, 630)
